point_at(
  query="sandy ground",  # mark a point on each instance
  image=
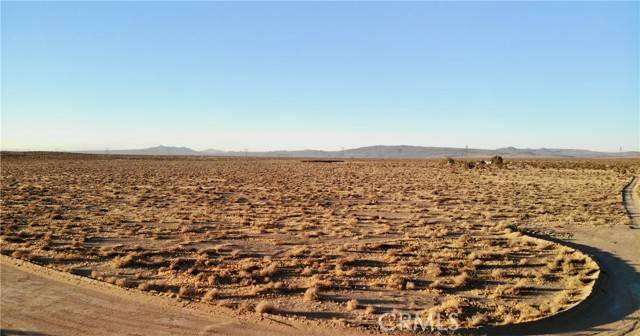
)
(38, 301)
(340, 243)
(63, 304)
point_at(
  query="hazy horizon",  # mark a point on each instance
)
(202, 149)
(325, 76)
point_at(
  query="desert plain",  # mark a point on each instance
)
(293, 246)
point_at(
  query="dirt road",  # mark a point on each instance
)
(37, 301)
(614, 306)
(632, 203)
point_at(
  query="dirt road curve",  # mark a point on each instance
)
(38, 301)
(631, 203)
(614, 306)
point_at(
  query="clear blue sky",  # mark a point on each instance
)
(267, 76)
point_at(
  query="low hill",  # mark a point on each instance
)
(401, 151)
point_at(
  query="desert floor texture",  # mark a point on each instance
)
(246, 246)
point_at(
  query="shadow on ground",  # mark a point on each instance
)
(614, 298)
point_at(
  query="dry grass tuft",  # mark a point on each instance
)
(353, 305)
(211, 294)
(123, 261)
(461, 280)
(311, 294)
(370, 310)
(122, 282)
(263, 307)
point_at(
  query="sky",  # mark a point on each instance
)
(301, 75)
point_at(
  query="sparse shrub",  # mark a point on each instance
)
(269, 270)
(396, 281)
(145, 286)
(370, 310)
(264, 307)
(297, 252)
(477, 320)
(497, 274)
(311, 294)
(186, 291)
(461, 280)
(21, 254)
(433, 270)
(527, 312)
(437, 284)
(504, 290)
(123, 261)
(353, 305)
(563, 298)
(317, 281)
(521, 284)
(211, 294)
(122, 282)
(181, 264)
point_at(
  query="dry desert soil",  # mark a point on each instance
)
(129, 245)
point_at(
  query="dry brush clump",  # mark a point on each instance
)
(263, 307)
(312, 294)
(353, 304)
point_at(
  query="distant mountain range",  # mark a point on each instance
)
(382, 152)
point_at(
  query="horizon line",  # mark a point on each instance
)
(133, 148)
